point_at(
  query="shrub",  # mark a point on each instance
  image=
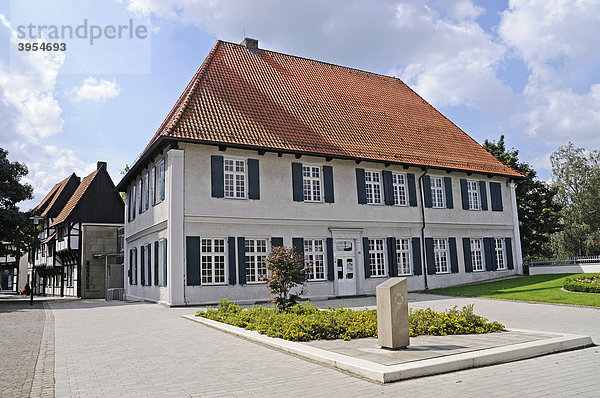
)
(285, 271)
(586, 284)
(304, 322)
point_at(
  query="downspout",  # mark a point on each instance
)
(423, 253)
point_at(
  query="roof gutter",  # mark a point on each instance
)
(151, 152)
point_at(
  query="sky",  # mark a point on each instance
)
(528, 70)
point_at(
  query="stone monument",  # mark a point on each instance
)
(392, 314)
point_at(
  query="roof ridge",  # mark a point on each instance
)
(76, 197)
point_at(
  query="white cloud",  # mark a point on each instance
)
(93, 89)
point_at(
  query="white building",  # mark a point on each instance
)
(354, 169)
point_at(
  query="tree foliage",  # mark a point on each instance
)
(537, 204)
(285, 271)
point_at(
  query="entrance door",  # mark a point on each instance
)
(345, 267)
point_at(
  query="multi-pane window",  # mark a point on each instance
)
(132, 200)
(153, 185)
(161, 181)
(256, 251)
(477, 254)
(213, 261)
(377, 257)
(146, 194)
(403, 256)
(314, 259)
(437, 192)
(473, 194)
(235, 178)
(311, 183)
(133, 265)
(141, 193)
(373, 187)
(499, 247)
(399, 184)
(440, 253)
(164, 262)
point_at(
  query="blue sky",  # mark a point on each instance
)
(525, 69)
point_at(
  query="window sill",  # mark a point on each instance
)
(479, 270)
(379, 276)
(312, 202)
(411, 274)
(374, 204)
(317, 280)
(503, 269)
(227, 197)
(443, 273)
(256, 283)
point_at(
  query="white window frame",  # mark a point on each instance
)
(146, 192)
(438, 194)
(371, 187)
(141, 195)
(404, 254)
(500, 254)
(161, 180)
(133, 197)
(400, 189)
(153, 185)
(477, 254)
(163, 261)
(313, 183)
(235, 175)
(377, 263)
(212, 257)
(473, 195)
(439, 254)
(315, 259)
(256, 260)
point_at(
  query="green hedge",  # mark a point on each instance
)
(587, 284)
(304, 322)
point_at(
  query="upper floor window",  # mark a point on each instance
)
(399, 184)
(477, 254)
(256, 251)
(146, 192)
(373, 187)
(437, 192)
(132, 202)
(314, 259)
(473, 193)
(377, 257)
(440, 252)
(499, 248)
(311, 183)
(141, 193)
(403, 256)
(213, 261)
(153, 185)
(235, 178)
(160, 186)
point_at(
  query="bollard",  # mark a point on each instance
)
(392, 314)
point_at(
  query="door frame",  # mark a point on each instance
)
(354, 234)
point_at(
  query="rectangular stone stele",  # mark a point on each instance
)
(392, 314)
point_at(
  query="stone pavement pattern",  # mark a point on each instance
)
(134, 349)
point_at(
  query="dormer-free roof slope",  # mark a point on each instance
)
(264, 99)
(57, 197)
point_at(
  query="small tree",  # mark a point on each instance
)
(285, 271)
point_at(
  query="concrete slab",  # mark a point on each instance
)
(427, 355)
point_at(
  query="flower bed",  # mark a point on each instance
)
(587, 284)
(305, 322)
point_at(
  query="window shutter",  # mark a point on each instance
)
(361, 188)
(149, 252)
(483, 195)
(427, 191)
(412, 190)
(141, 198)
(448, 189)
(156, 263)
(217, 176)
(130, 273)
(192, 250)
(276, 242)
(253, 179)
(467, 254)
(509, 254)
(328, 184)
(297, 190)
(142, 264)
(135, 266)
(496, 194)
(153, 185)
(430, 256)
(165, 263)
(388, 188)
(416, 256)
(231, 259)
(490, 257)
(464, 193)
(453, 256)
(298, 244)
(366, 256)
(241, 249)
(330, 263)
(393, 258)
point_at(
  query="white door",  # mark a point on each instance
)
(345, 267)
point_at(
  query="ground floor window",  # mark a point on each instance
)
(403, 256)
(499, 247)
(377, 257)
(314, 259)
(440, 251)
(213, 261)
(164, 261)
(256, 251)
(69, 276)
(477, 254)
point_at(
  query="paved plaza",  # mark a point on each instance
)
(110, 349)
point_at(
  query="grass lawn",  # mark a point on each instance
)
(543, 288)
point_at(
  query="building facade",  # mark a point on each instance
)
(359, 174)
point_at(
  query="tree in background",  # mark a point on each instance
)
(537, 206)
(576, 175)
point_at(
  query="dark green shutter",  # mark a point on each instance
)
(496, 196)
(276, 242)
(393, 258)
(427, 191)
(448, 189)
(412, 190)
(328, 184)
(467, 254)
(388, 188)
(464, 193)
(149, 265)
(192, 249)
(217, 176)
(366, 257)
(241, 254)
(142, 265)
(297, 188)
(453, 255)
(253, 179)
(130, 273)
(156, 273)
(330, 263)
(509, 254)
(298, 244)
(416, 256)
(490, 254)
(231, 259)
(483, 195)
(430, 256)
(361, 188)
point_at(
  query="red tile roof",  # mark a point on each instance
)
(50, 197)
(77, 195)
(264, 99)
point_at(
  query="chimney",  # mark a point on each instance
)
(250, 44)
(100, 164)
